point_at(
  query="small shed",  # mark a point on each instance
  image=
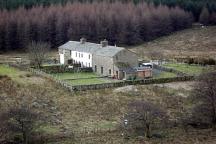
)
(144, 72)
(127, 73)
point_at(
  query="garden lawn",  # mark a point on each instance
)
(165, 75)
(65, 76)
(162, 74)
(186, 68)
(88, 81)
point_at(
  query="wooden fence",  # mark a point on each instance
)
(136, 82)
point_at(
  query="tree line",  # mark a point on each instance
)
(194, 6)
(119, 23)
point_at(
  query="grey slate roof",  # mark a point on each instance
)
(109, 51)
(95, 49)
(128, 70)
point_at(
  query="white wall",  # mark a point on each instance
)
(61, 55)
(61, 58)
(81, 57)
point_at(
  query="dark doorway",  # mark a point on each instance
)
(117, 74)
(101, 70)
(95, 68)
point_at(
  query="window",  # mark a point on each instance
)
(81, 55)
(89, 56)
(70, 53)
(95, 68)
(76, 54)
(116, 57)
(89, 65)
(110, 71)
(101, 70)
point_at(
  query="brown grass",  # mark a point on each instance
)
(193, 42)
(103, 109)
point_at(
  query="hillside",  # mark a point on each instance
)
(193, 42)
(95, 116)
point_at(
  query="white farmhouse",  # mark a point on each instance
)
(104, 59)
(79, 52)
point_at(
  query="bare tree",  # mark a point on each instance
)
(204, 99)
(38, 53)
(20, 121)
(144, 117)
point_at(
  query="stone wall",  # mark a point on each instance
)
(136, 82)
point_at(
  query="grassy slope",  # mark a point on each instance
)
(15, 74)
(190, 42)
(103, 109)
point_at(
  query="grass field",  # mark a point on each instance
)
(165, 75)
(186, 68)
(22, 77)
(193, 42)
(84, 78)
(88, 81)
(14, 73)
(65, 76)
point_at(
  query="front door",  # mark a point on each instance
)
(101, 70)
(124, 75)
(117, 74)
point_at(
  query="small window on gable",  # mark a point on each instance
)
(116, 57)
(70, 53)
(89, 56)
(76, 54)
(79, 54)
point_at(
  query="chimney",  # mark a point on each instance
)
(82, 40)
(104, 43)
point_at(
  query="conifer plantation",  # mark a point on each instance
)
(119, 23)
